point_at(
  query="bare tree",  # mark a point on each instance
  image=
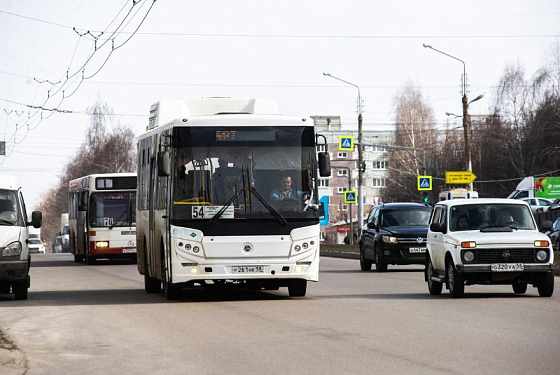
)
(414, 127)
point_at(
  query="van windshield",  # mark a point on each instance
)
(8, 208)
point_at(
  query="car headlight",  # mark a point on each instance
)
(542, 255)
(468, 256)
(12, 250)
(390, 239)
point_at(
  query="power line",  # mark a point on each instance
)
(63, 84)
(303, 36)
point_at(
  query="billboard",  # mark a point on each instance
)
(547, 187)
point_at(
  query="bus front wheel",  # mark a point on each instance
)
(297, 288)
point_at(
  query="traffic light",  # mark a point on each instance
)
(425, 197)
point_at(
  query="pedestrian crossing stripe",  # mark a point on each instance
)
(346, 143)
(350, 196)
(424, 183)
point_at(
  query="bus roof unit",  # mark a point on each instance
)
(7, 181)
(166, 111)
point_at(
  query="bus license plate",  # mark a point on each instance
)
(507, 267)
(247, 269)
(130, 250)
(414, 250)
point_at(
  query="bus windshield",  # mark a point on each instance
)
(112, 209)
(261, 172)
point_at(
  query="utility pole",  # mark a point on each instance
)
(467, 135)
(359, 107)
(349, 176)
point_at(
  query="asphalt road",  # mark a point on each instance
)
(98, 320)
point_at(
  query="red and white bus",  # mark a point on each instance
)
(102, 217)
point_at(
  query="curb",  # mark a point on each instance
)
(335, 254)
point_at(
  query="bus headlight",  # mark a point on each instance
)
(12, 250)
(542, 255)
(101, 244)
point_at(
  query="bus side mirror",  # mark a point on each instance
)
(324, 164)
(36, 219)
(164, 164)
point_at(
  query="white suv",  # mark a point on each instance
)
(487, 241)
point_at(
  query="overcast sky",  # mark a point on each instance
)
(251, 49)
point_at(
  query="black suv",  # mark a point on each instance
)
(395, 234)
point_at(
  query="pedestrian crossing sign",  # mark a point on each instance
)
(350, 196)
(346, 143)
(424, 183)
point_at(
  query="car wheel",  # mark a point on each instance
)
(455, 281)
(365, 264)
(21, 290)
(297, 288)
(546, 284)
(519, 288)
(78, 258)
(5, 289)
(380, 265)
(434, 287)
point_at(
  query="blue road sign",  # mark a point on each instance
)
(350, 196)
(346, 143)
(424, 183)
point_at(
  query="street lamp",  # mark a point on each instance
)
(467, 119)
(359, 110)
(466, 124)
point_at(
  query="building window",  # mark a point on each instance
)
(379, 149)
(321, 148)
(378, 182)
(323, 182)
(344, 207)
(341, 155)
(381, 164)
(342, 172)
(341, 190)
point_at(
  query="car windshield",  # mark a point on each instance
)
(113, 209)
(489, 215)
(8, 208)
(412, 217)
(35, 241)
(259, 173)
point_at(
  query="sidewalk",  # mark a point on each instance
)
(353, 252)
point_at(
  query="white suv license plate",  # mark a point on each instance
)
(129, 250)
(507, 267)
(247, 269)
(414, 250)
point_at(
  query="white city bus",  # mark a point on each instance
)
(102, 217)
(207, 170)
